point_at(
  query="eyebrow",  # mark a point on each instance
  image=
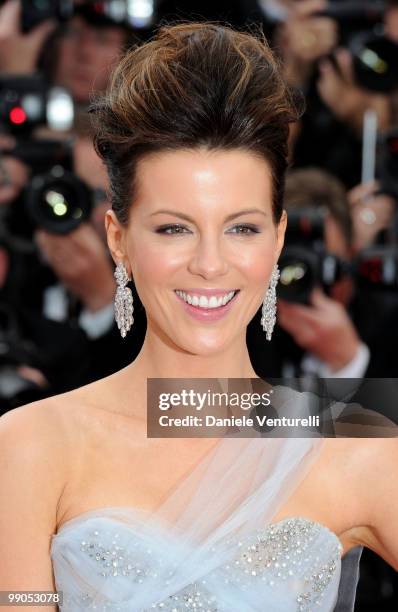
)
(246, 211)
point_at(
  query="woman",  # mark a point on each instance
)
(194, 134)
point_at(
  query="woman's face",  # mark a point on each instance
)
(200, 230)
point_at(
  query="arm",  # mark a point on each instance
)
(31, 482)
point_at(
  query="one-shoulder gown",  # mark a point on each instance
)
(211, 546)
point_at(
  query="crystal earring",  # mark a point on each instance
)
(123, 300)
(268, 311)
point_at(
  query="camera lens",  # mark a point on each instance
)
(298, 274)
(58, 201)
(375, 60)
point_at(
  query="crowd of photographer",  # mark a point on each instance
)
(338, 301)
(338, 306)
(57, 283)
(337, 295)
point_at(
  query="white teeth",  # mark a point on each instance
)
(202, 301)
(214, 302)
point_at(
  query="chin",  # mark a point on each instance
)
(203, 345)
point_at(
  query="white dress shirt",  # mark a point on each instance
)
(95, 324)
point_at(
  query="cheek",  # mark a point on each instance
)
(256, 261)
(153, 264)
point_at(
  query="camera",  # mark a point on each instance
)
(58, 201)
(375, 57)
(129, 13)
(377, 268)
(375, 61)
(304, 262)
(36, 11)
(55, 199)
(27, 102)
(355, 13)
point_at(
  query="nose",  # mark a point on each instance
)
(208, 260)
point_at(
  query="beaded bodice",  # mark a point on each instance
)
(102, 564)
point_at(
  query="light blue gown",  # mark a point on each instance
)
(211, 546)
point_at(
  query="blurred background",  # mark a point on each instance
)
(338, 291)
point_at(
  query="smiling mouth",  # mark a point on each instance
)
(204, 302)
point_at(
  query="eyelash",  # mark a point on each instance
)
(163, 229)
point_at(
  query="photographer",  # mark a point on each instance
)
(303, 38)
(34, 349)
(343, 56)
(344, 95)
(67, 278)
(74, 283)
(78, 54)
(320, 338)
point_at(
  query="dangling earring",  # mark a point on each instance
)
(268, 311)
(123, 300)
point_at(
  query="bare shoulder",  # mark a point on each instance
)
(46, 421)
(358, 461)
(64, 407)
(365, 472)
(357, 450)
(38, 436)
(48, 427)
(377, 489)
(355, 470)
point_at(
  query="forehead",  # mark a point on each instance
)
(202, 175)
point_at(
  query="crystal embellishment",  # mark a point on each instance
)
(268, 310)
(123, 300)
(295, 554)
(115, 560)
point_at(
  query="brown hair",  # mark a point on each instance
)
(194, 85)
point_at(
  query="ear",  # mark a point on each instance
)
(280, 231)
(115, 235)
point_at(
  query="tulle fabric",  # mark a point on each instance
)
(235, 490)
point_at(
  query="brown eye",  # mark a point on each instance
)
(245, 229)
(172, 229)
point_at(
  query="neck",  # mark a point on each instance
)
(157, 359)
